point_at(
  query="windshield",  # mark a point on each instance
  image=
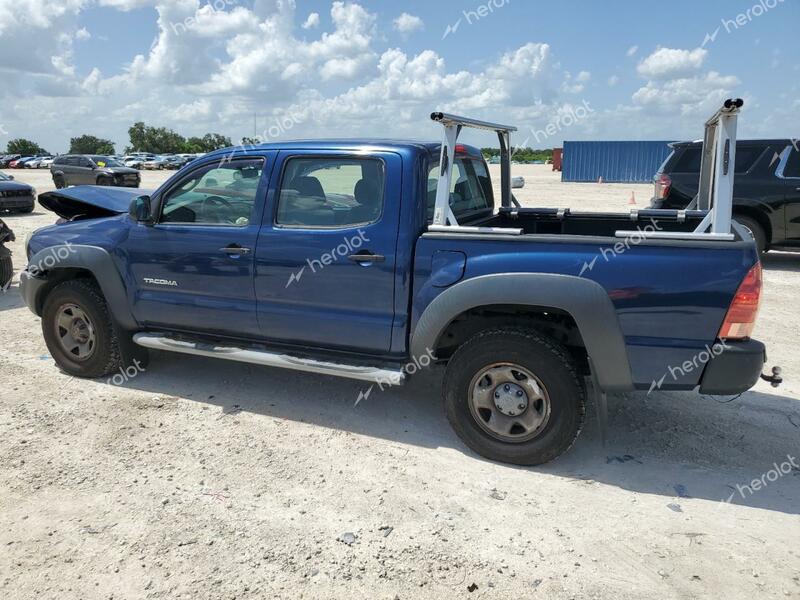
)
(106, 161)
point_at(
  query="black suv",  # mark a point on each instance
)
(85, 169)
(766, 189)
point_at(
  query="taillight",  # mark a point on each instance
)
(741, 317)
(663, 183)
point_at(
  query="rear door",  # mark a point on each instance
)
(789, 171)
(326, 257)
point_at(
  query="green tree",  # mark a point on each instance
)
(89, 144)
(24, 147)
(158, 140)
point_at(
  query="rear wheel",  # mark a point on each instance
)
(755, 229)
(514, 396)
(105, 181)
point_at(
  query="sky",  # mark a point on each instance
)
(288, 69)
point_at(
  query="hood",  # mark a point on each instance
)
(92, 201)
(14, 186)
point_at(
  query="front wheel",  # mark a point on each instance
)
(78, 330)
(514, 396)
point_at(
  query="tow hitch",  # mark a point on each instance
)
(775, 379)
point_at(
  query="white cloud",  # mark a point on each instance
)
(687, 95)
(82, 34)
(632, 50)
(407, 23)
(613, 80)
(668, 63)
(312, 22)
(583, 76)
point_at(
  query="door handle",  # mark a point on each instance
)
(235, 250)
(366, 257)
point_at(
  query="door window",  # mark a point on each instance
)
(217, 194)
(792, 168)
(330, 192)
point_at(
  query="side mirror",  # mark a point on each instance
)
(517, 182)
(140, 210)
(11, 177)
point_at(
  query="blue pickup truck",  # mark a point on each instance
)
(322, 256)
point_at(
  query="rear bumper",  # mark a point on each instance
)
(735, 370)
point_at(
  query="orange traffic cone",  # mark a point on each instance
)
(633, 198)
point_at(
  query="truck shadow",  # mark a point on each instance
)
(676, 445)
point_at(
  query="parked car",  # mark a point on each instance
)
(46, 163)
(158, 163)
(80, 169)
(6, 161)
(326, 262)
(135, 162)
(19, 163)
(766, 192)
(16, 196)
(36, 163)
(6, 266)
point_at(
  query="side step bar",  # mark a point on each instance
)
(270, 359)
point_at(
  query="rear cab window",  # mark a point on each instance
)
(470, 189)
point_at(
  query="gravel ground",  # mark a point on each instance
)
(209, 479)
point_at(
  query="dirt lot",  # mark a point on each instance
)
(206, 479)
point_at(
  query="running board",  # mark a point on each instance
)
(270, 359)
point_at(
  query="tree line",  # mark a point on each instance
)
(143, 138)
(520, 154)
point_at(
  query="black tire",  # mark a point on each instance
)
(756, 229)
(6, 269)
(26, 211)
(549, 362)
(59, 182)
(105, 181)
(105, 357)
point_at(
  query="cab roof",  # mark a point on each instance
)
(350, 145)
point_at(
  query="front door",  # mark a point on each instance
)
(326, 258)
(193, 269)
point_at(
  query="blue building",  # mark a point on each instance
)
(615, 162)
